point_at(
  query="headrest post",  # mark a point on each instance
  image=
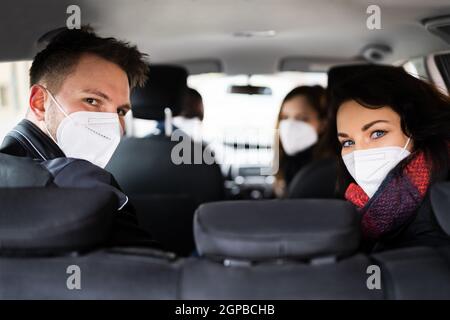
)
(129, 124)
(168, 122)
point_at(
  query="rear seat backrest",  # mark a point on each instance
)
(440, 202)
(415, 273)
(285, 250)
(57, 228)
(277, 249)
(310, 257)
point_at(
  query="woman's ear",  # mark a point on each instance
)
(38, 97)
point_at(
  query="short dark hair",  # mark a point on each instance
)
(424, 111)
(64, 50)
(191, 105)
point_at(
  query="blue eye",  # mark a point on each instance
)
(377, 134)
(347, 143)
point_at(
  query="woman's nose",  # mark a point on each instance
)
(361, 145)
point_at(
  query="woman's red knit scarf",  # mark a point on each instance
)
(396, 200)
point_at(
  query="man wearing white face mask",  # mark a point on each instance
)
(88, 135)
(79, 95)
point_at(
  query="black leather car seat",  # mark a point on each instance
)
(165, 194)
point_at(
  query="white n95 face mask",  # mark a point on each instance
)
(91, 136)
(371, 166)
(191, 126)
(296, 136)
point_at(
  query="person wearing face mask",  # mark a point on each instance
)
(394, 140)
(300, 124)
(79, 95)
(190, 118)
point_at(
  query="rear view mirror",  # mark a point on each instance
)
(248, 89)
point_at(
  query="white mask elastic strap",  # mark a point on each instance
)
(407, 142)
(57, 103)
(404, 148)
(49, 134)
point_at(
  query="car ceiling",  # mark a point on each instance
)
(190, 30)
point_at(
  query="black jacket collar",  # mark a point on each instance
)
(26, 139)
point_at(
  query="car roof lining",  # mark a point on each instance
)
(334, 30)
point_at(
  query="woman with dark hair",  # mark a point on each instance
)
(393, 133)
(300, 123)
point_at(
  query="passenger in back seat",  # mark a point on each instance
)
(394, 138)
(79, 95)
(300, 123)
(190, 118)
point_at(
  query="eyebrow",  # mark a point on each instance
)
(98, 93)
(106, 97)
(364, 128)
(368, 125)
(125, 106)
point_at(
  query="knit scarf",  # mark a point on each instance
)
(396, 200)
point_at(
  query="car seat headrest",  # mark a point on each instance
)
(440, 202)
(165, 88)
(276, 229)
(37, 221)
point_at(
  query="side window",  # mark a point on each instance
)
(417, 68)
(4, 101)
(14, 86)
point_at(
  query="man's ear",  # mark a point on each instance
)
(38, 97)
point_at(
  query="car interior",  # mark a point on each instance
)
(224, 233)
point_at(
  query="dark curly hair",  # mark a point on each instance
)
(424, 111)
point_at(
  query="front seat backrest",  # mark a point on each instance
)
(164, 193)
(315, 180)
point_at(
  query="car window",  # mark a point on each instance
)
(417, 68)
(14, 84)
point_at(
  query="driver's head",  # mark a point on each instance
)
(83, 72)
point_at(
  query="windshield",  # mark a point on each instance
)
(240, 127)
